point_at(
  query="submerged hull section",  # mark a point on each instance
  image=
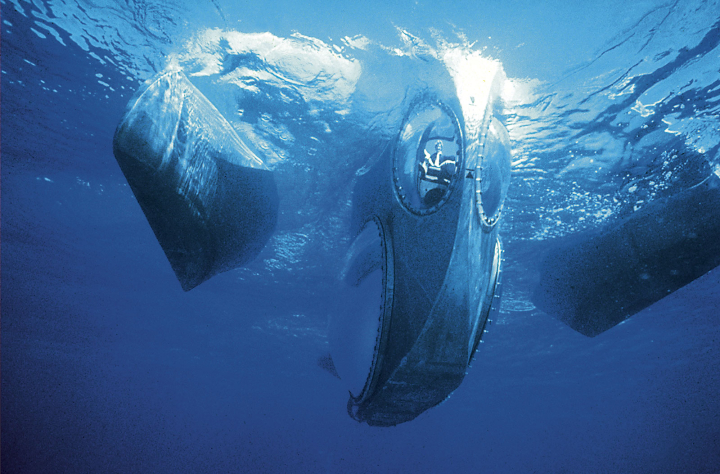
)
(598, 281)
(209, 199)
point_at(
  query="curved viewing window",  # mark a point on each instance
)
(355, 331)
(494, 173)
(428, 158)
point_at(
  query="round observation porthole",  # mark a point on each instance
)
(492, 177)
(428, 158)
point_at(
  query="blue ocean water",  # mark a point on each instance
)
(108, 366)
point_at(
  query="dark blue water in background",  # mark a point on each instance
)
(108, 366)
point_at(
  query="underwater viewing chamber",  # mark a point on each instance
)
(424, 270)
